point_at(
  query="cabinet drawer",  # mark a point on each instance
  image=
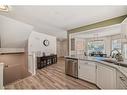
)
(87, 62)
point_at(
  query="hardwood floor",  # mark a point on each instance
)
(51, 77)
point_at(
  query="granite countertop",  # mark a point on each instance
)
(99, 60)
(82, 57)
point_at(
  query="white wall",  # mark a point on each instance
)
(59, 48)
(35, 43)
(35, 46)
(13, 33)
(62, 48)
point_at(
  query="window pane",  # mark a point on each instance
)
(116, 44)
(96, 46)
(125, 50)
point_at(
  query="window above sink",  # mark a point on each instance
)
(96, 46)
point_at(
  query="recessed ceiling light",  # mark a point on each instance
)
(4, 8)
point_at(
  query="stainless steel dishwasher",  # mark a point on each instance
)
(71, 67)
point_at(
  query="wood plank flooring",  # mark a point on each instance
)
(51, 77)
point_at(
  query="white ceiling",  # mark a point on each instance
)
(56, 20)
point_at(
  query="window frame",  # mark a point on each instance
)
(123, 50)
(94, 41)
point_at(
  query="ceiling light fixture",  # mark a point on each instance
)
(4, 8)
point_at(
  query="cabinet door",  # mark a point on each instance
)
(86, 71)
(121, 81)
(106, 77)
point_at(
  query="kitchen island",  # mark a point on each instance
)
(104, 74)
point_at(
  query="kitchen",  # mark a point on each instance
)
(87, 52)
(99, 56)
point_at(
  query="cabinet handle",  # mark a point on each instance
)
(79, 67)
(122, 78)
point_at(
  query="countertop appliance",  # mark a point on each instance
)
(71, 67)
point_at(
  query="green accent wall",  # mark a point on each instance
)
(104, 23)
(99, 24)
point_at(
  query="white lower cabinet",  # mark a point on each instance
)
(121, 81)
(106, 77)
(87, 71)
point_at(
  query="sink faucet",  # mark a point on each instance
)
(118, 56)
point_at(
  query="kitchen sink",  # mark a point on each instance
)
(109, 60)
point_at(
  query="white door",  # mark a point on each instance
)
(106, 77)
(87, 71)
